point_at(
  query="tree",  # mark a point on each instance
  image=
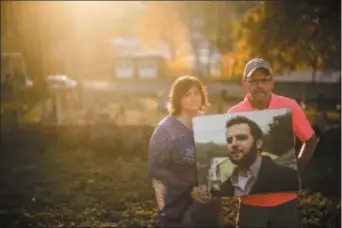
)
(218, 20)
(279, 139)
(215, 20)
(94, 25)
(33, 27)
(161, 22)
(303, 36)
(177, 22)
(209, 20)
(59, 37)
(26, 30)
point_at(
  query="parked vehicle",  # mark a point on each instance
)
(61, 81)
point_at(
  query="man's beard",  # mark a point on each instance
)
(247, 159)
(258, 92)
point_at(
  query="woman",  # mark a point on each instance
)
(172, 163)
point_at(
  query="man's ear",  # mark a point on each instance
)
(259, 144)
(243, 83)
(272, 85)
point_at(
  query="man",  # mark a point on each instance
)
(273, 209)
(254, 173)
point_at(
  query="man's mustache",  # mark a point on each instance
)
(259, 91)
(235, 150)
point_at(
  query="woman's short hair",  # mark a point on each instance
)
(179, 88)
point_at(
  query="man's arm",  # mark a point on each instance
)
(307, 150)
(306, 134)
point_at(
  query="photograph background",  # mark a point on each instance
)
(211, 149)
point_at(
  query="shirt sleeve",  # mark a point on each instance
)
(230, 110)
(301, 125)
(159, 158)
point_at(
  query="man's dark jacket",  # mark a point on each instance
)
(271, 178)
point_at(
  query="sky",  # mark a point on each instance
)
(211, 128)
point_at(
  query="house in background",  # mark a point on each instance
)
(209, 58)
(131, 61)
(140, 65)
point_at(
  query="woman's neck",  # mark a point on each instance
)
(186, 118)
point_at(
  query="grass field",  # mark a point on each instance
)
(137, 110)
(67, 180)
(68, 183)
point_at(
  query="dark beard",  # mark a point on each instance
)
(248, 158)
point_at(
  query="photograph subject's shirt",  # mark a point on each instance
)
(243, 185)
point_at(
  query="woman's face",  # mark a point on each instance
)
(191, 101)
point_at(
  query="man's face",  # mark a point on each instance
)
(260, 84)
(240, 143)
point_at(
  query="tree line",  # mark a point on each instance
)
(301, 35)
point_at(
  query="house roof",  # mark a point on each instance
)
(141, 55)
(131, 47)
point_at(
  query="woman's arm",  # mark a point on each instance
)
(159, 190)
(159, 158)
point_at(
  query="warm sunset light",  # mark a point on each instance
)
(164, 113)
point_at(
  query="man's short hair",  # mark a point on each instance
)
(255, 129)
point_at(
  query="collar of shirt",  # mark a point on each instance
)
(251, 172)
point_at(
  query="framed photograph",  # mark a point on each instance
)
(246, 153)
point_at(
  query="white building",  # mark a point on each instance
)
(209, 57)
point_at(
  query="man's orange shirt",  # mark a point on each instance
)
(301, 128)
